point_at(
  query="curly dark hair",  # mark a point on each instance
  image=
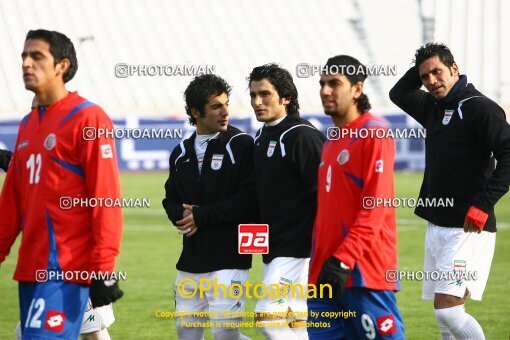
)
(200, 90)
(282, 81)
(431, 50)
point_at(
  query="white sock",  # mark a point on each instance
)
(459, 323)
(18, 331)
(226, 333)
(276, 330)
(445, 333)
(103, 334)
(190, 333)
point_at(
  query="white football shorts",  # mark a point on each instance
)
(281, 271)
(219, 303)
(95, 319)
(460, 261)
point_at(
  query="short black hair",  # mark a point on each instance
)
(200, 90)
(346, 63)
(430, 50)
(282, 81)
(61, 47)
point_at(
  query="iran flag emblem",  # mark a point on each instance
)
(447, 116)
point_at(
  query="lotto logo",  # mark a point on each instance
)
(55, 321)
(386, 325)
(253, 239)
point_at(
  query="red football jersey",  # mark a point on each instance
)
(52, 160)
(353, 168)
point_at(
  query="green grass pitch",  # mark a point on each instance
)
(150, 249)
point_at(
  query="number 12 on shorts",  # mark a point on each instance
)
(54, 319)
(34, 313)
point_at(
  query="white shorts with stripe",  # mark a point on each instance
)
(219, 303)
(464, 259)
(281, 271)
(95, 319)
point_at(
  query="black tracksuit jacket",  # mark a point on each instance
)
(460, 150)
(287, 184)
(226, 197)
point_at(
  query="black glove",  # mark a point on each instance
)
(5, 158)
(104, 292)
(332, 273)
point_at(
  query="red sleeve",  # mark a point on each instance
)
(378, 161)
(99, 162)
(476, 216)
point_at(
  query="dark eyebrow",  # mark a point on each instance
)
(252, 93)
(220, 104)
(424, 75)
(32, 54)
(330, 81)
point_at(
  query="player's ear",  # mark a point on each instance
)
(358, 89)
(195, 113)
(285, 101)
(455, 69)
(62, 67)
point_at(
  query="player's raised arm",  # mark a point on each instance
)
(407, 95)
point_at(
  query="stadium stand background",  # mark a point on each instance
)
(235, 36)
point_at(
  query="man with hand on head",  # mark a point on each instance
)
(466, 133)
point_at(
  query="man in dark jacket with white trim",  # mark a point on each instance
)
(287, 156)
(210, 191)
(466, 133)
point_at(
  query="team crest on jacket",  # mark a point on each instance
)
(216, 162)
(343, 157)
(270, 149)
(50, 141)
(448, 114)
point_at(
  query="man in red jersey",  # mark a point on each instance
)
(354, 241)
(56, 160)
